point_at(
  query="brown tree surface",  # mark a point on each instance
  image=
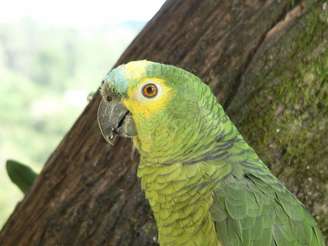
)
(266, 60)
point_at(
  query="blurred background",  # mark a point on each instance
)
(52, 55)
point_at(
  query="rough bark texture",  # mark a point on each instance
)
(267, 61)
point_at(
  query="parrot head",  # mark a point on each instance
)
(165, 109)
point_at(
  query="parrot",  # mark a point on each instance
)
(205, 185)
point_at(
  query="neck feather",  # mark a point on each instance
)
(180, 171)
(179, 186)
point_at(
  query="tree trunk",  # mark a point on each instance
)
(266, 60)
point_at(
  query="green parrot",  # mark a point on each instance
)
(204, 183)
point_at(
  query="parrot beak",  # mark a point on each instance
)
(115, 120)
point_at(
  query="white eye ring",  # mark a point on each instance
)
(150, 90)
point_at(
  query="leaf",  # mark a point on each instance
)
(21, 175)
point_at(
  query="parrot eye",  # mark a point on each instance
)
(149, 90)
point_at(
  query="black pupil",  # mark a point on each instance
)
(150, 89)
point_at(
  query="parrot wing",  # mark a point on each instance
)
(255, 209)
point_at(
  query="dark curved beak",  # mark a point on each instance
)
(115, 120)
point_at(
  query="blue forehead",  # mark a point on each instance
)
(117, 81)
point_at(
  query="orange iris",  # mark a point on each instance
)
(149, 90)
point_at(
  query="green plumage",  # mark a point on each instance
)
(205, 184)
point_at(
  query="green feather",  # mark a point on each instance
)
(205, 184)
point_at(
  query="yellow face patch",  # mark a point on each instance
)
(136, 69)
(141, 106)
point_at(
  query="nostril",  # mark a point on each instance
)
(109, 98)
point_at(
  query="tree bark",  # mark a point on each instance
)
(266, 60)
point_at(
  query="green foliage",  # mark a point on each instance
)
(21, 175)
